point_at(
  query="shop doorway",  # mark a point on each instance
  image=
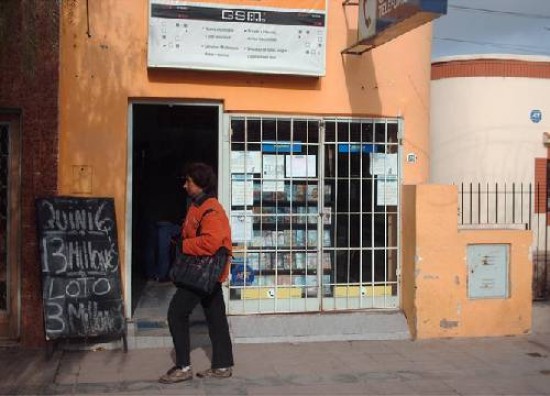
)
(165, 137)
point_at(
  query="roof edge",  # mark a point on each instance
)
(513, 57)
(491, 66)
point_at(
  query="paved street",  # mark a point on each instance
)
(489, 366)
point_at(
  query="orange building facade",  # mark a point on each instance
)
(311, 162)
(115, 108)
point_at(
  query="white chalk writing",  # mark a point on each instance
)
(54, 320)
(57, 287)
(87, 318)
(80, 267)
(73, 257)
(77, 219)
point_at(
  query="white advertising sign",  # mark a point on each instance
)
(387, 189)
(273, 166)
(239, 36)
(301, 166)
(242, 190)
(246, 161)
(241, 225)
(383, 164)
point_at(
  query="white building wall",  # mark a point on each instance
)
(481, 129)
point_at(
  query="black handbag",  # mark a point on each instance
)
(199, 273)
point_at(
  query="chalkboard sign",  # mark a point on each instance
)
(80, 268)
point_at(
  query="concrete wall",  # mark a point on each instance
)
(441, 306)
(408, 248)
(480, 129)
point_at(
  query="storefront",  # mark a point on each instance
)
(314, 210)
(312, 143)
(309, 143)
(313, 201)
(313, 204)
(320, 138)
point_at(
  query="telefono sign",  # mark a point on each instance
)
(383, 20)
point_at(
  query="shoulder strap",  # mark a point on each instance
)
(202, 217)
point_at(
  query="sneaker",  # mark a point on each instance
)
(225, 372)
(176, 374)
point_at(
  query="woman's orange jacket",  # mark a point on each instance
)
(215, 231)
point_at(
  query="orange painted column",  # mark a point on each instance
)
(435, 262)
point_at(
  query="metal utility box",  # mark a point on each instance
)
(488, 266)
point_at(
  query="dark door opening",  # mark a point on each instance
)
(165, 138)
(10, 225)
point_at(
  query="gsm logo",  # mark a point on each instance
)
(242, 16)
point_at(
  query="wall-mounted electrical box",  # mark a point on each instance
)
(488, 266)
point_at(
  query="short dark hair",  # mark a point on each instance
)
(202, 175)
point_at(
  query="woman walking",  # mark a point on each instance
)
(205, 230)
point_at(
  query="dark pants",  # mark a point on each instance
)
(181, 306)
(165, 232)
(157, 248)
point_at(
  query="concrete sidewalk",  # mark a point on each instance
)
(489, 366)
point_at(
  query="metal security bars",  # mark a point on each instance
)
(494, 203)
(362, 169)
(313, 214)
(511, 205)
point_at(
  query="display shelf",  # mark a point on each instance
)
(282, 249)
(298, 272)
(286, 226)
(281, 226)
(364, 291)
(285, 202)
(271, 292)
